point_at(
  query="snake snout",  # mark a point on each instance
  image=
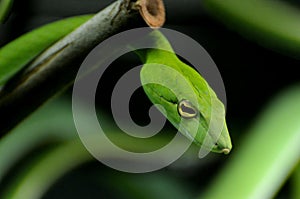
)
(226, 151)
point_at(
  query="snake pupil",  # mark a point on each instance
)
(186, 110)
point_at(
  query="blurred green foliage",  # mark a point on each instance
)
(257, 168)
(37, 155)
(5, 7)
(266, 157)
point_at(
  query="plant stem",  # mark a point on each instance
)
(56, 68)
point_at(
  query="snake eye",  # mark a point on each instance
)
(186, 109)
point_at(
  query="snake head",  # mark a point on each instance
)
(207, 130)
(186, 100)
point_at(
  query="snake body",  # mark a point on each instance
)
(192, 112)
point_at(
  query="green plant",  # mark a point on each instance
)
(45, 146)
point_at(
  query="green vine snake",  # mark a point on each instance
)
(177, 107)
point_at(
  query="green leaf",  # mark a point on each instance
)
(261, 164)
(296, 182)
(31, 133)
(5, 6)
(55, 121)
(274, 24)
(18, 53)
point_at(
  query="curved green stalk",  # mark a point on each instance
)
(54, 121)
(34, 182)
(38, 179)
(272, 23)
(5, 7)
(28, 134)
(295, 182)
(271, 150)
(267, 155)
